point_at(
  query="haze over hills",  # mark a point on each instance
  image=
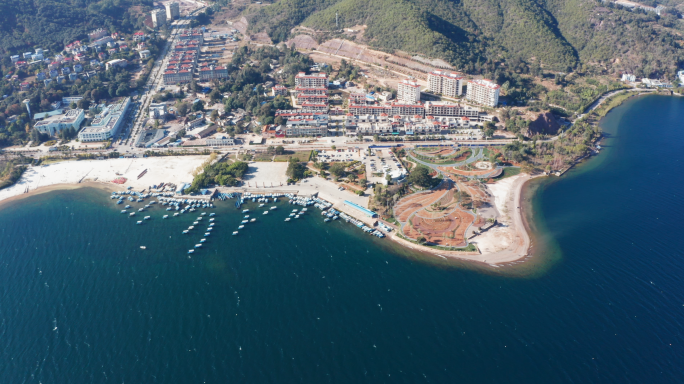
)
(561, 34)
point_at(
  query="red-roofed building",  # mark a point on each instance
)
(212, 73)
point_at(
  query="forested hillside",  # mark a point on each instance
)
(560, 35)
(49, 24)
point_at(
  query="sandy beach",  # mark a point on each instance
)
(68, 174)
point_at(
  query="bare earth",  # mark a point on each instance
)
(504, 243)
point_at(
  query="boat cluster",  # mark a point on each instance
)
(207, 232)
(185, 205)
(331, 214)
(361, 225)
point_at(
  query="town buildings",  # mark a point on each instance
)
(484, 92)
(172, 11)
(626, 77)
(445, 83)
(144, 54)
(158, 18)
(96, 34)
(107, 123)
(408, 91)
(52, 125)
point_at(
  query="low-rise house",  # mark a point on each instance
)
(78, 68)
(40, 76)
(24, 86)
(278, 90)
(66, 71)
(116, 63)
(73, 76)
(144, 54)
(54, 73)
(157, 110)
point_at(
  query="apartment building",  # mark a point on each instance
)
(54, 124)
(191, 34)
(484, 92)
(177, 76)
(317, 80)
(212, 73)
(305, 130)
(107, 123)
(406, 109)
(172, 11)
(448, 109)
(408, 91)
(445, 83)
(158, 18)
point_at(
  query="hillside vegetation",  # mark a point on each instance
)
(559, 35)
(50, 24)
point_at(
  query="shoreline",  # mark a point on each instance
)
(59, 187)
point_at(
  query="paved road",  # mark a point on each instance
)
(476, 156)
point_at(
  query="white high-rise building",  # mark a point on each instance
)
(172, 11)
(158, 17)
(408, 91)
(445, 83)
(316, 80)
(485, 92)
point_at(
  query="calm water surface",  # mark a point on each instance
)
(307, 302)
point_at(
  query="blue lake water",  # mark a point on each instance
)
(308, 302)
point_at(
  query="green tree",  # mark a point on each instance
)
(421, 176)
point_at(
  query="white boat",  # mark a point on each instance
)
(261, 205)
(165, 217)
(207, 234)
(253, 220)
(128, 206)
(147, 217)
(265, 212)
(296, 216)
(245, 210)
(203, 240)
(195, 223)
(191, 227)
(139, 222)
(244, 222)
(199, 218)
(287, 219)
(240, 227)
(204, 213)
(210, 220)
(246, 217)
(176, 214)
(272, 208)
(235, 233)
(209, 229)
(123, 211)
(143, 247)
(191, 251)
(186, 231)
(326, 220)
(132, 214)
(141, 209)
(198, 245)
